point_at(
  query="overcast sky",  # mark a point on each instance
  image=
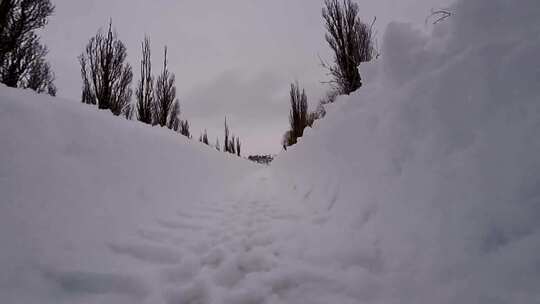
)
(234, 57)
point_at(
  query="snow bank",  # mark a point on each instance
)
(427, 181)
(78, 186)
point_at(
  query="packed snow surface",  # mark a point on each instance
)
(422, 187)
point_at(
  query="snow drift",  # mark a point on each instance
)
(77, 184)
(427, 180)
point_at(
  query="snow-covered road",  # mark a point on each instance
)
(240, 251)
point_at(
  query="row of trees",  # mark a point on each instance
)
(352, 43)
(231, 144)
(22, 55)
(107, 78)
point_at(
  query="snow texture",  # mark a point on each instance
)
(423, 187)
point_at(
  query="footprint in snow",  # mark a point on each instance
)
(179, 225)
(147, 253)
(93, 283)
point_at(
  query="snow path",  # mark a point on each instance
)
(230, 251)
(423, 187)
(222, 234)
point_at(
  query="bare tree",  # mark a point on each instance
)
(106, 75)
(232, 147)
(19, 61)
(22, 56)
(165, 95)
(217, 145)
(122, 92)
(145, 88)
(226, 146)
(88, 94)
(351, 42)
(238, 146)
(286, 140)
(40, 78)
(174, 117)
(205, 138)
(231, 144)
(18, 18)
(128, 111)
(298, 115)
(6, 7)
(184, 128)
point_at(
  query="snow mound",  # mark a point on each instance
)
(84, 196)
(426, 182)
